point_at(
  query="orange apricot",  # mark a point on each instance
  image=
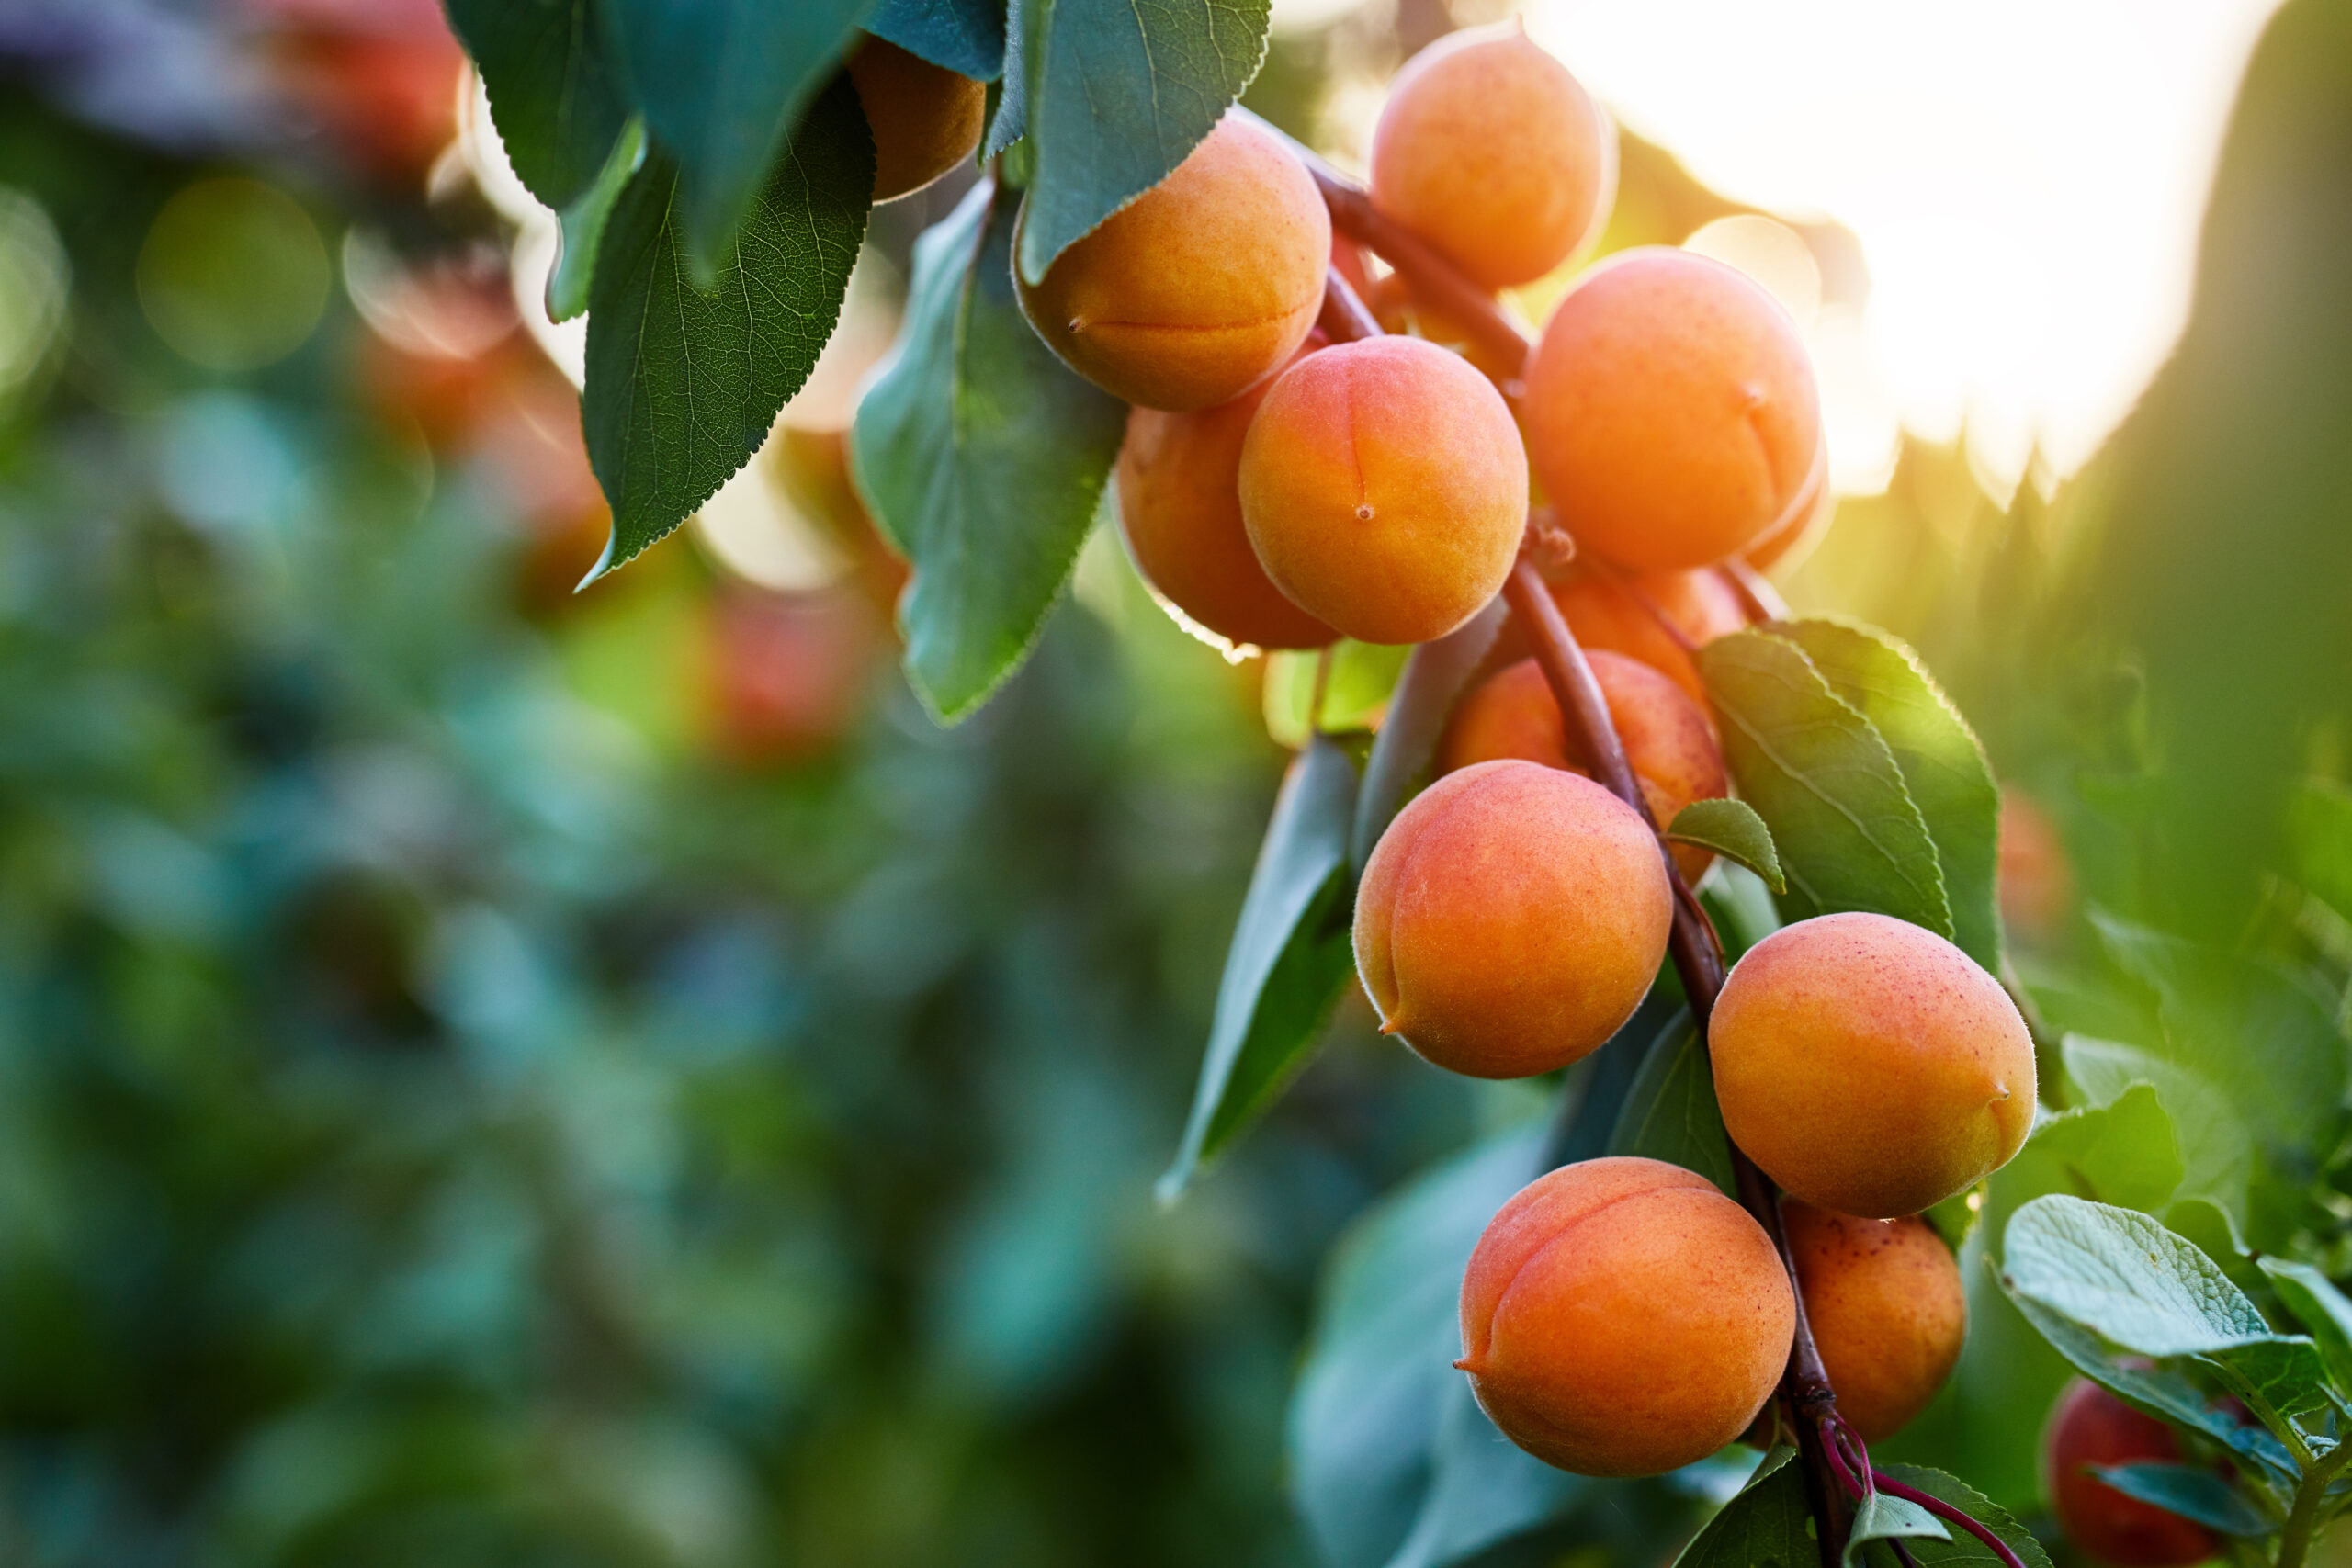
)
(1511, 918)
(1392, 303)
(925, 119)
(1869, 1067)
(1885, 1304)
(1179, 509)
(1672, 410)
(1198, 288)
(1385, 489)
(2033, 878)
(1669, 738)
(2091, 1427)
(1621, 1318)
(1788, 542)
(1651, 617)
(1490, 152)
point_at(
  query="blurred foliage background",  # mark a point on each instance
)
(493, 1075)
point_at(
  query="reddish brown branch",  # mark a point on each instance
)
(1345, 318)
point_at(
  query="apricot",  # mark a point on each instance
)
(1672, 410)
(1489, 151)
(1392, 303)
(1511, 918)
(925, 119)
(1623, 615)
(1621, 1318)
(1200, 288)
(2090, 1427)
(1869, 1067)
(2033, 878)
(1669, 738)
(1385, 489)
(1887, 1310)
(1180, 507)
(1788, 542)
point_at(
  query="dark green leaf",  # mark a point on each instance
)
(1025, 37)
(1733, 830)
(2191, 1493)
(1433, 679)
(573, 276)
(555, 94)
(1671, 1111)
(1821, 776)
(723, 83)
(1767, 1526)
(1609, 1075)
(984, 459)
(1289, 957)
(2321, 1308)
(685, 383)
(1883, 1516)
(965, 36)
(2121, 1151)
(1366, 1413)
(2127, 1278)
(2166, 1395)
(1118, 95)
(1959, 1546)
(1943, 765)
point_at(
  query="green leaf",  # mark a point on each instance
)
(2319, 841)
(1363, 676)
(1116, 95)
(1733, 830)
(685, 383)
(723, 85)
(1959, 1546)
(1483, 1490)
(583, 220)
(1366, 1413)
(984, 459)
(1607, 1082)
(2122, 1151)
(2129, 1279)
(1434, 677)
(1290, 954)
(965, 36)
(2166, 1395)
(1821, 776)
(2321, 1308)
(555, 94)
(1740, 905)
(1671, 1111)
(2191, 1493)
(2215, 1149)
(1025, 37)
(1942, 763)
(1767, 1526)
(1883, 1516)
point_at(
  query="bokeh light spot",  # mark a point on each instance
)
(234, 274)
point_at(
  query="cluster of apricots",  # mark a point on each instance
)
(1621, 1316)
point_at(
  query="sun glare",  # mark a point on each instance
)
(2026, 178)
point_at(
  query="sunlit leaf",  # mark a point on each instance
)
(2119, 1149)
(2321, 1308)
(685, 383)
(1733, 830)
(983, 458)
(2216, 1152)
(1290, 955)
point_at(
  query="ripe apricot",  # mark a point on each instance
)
(1887, 1310)
(1623, 615)
(1669, 738)
(1385, 489)
(1201, 286)
(1869, 1065)
(1179, 509)
(1392, 303)
(1672, 410)
(1511, 918)
(1490, 152)
(1788, 542)
(1621, 1318)
(925, 119)
(2090, 1427)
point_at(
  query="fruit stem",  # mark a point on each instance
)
(1436, 282)
(2295, 1540)
(1345, 317)
(1698, 960)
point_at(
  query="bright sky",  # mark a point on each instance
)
(2026, 178)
